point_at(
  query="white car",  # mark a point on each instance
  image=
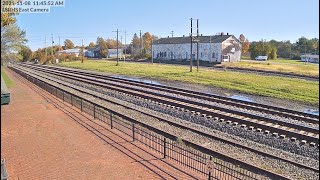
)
(261, 58)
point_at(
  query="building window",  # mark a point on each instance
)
(213, 55)
(165, 54)
(225, 57)
(186, 55)
(201, 55)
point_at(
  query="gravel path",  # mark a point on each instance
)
(245, 155)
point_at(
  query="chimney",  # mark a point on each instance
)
(168, 36)
(183, 36)
(201, 34)
(227, 33)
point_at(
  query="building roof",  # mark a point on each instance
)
(203, 39)
(75, 50)
(310, 56)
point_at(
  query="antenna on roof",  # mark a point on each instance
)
(172, 33)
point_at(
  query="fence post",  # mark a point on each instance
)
(63, 96)
(94, 111)
(164, 148)
(111, 120)
(71, 101)
(81, 105)
(133, 132)
(209, 175)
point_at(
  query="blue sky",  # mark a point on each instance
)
(256, 19)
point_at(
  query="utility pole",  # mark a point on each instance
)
(197, 45)
(305, 53)
(172, 33)
(140, 45)
(125, 45)
(191, 47)
(121, 46)
(59, 44)
(82, 51)
(152, 50)
(117, 47)
(52, 44)
(45, 45)
(210, 50)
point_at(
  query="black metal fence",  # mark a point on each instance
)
(208, 164)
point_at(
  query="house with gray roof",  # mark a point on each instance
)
(217, 48)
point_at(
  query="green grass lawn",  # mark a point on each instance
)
(281, 65)
(7, 80)
(285, 88)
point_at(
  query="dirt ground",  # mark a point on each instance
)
(43, 138)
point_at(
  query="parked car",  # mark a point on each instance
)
(261, 58)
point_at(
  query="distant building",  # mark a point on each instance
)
(112, 53)
(310, 58)
(93, 52)
(218, 48)
(75, 51)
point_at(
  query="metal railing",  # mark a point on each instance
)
(206, 162)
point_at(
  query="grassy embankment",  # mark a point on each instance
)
(281, 65)
(7, 80)
(285, 88)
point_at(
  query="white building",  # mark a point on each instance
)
(75, 51)
(310, 58)
(218, 48)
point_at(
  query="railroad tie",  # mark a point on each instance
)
(303, 142)
(282, 136)
(275, 134)
(313, 144)
(243, 126)
(293, 139)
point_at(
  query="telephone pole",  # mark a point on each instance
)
(197, 45)
(82, 51)
(152, 50)
(52, 44)
(117, 47)
(121, 46)
(45, 45)
(125, 45)
(140, 45)
(191, 47)
(59, 44)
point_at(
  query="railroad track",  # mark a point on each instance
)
(278, 128)
(40, 82)
(204, 96)
(22, 72)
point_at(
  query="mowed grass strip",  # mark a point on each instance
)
(287, 66)
(285, 88)
(9, 83)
